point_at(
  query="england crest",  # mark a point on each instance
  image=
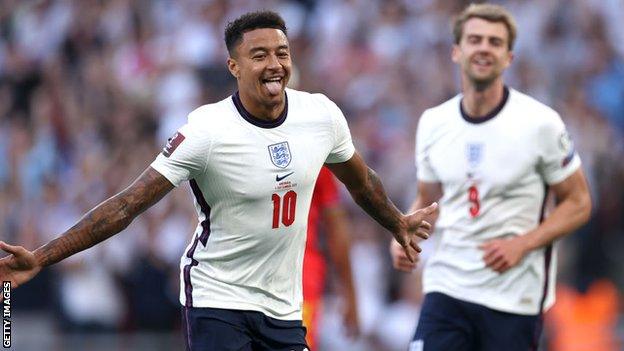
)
(474, 154)
(280, 154)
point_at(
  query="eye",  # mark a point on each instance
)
(258, 57)
(283, 55)
(474, 39)
(496, 42)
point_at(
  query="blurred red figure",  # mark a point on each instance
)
(326, 209)
(584, 322)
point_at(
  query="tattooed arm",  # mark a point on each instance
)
(107, 219)
(368, 192)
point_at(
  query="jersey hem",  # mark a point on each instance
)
(489, 302)
(244, 306)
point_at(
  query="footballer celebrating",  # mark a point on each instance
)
(490, 155)
(251, 161)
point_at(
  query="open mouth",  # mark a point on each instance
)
(273, 85)
(482, 62)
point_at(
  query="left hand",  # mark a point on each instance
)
(503, 254)
(416, 227)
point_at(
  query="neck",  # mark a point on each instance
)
(479, 100)
(267, 112)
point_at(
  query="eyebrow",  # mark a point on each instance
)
(490, 37)
(262, 48)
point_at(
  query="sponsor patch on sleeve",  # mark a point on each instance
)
(172, 144)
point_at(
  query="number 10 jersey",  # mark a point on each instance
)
(252, 181)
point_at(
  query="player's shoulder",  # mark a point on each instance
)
(442, 113)
(299, 98)
(530, 107)
(316, 107)
(543, 120)
(211, 115)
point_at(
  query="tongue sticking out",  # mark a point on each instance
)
(274, 88)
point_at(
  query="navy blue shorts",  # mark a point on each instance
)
(212, 329)
(450, 324)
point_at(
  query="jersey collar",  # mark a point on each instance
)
(489, 116)
(262, 123)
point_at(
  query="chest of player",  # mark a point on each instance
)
(252, 163)
(494, 154)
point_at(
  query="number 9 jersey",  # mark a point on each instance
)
(252, 181)
(494, 171)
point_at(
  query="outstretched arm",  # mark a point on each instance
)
(368, 192)
(107, 219)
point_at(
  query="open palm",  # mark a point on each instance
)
(19, 267)
(417, 227)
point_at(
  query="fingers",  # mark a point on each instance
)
(422, 233)
(489, 255)
(498, 264)
(15, 250)
(494, 258)
(408, 254)
(400, 261)
(425, 225)
(431, 209)
(404, 264)
(415, 246)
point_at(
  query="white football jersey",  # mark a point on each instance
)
(494, 173)
(253, 182)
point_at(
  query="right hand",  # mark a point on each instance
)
(19, 267)
(400, 260)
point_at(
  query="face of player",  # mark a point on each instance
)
(482, 53)
(262, 66)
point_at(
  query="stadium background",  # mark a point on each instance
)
(90, 91)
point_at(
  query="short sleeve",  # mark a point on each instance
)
(558, 157)
(343, 148)
(424, 170)
(184, 156)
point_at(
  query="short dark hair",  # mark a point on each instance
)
(252, 20)
(489, 12)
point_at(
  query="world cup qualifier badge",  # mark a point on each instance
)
(173, 143)
(280, 154)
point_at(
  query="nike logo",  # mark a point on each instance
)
(278, 178)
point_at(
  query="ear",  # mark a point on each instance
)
(455, 53)
(233, 67)
(510, 58)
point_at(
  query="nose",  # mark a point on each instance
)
(273, 62)
(484, 45)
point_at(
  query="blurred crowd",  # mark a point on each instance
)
(90, 91)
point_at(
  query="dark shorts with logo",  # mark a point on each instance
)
(447, 323)
(208, 329)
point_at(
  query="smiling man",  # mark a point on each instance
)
(252, 160)
(490, 155)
